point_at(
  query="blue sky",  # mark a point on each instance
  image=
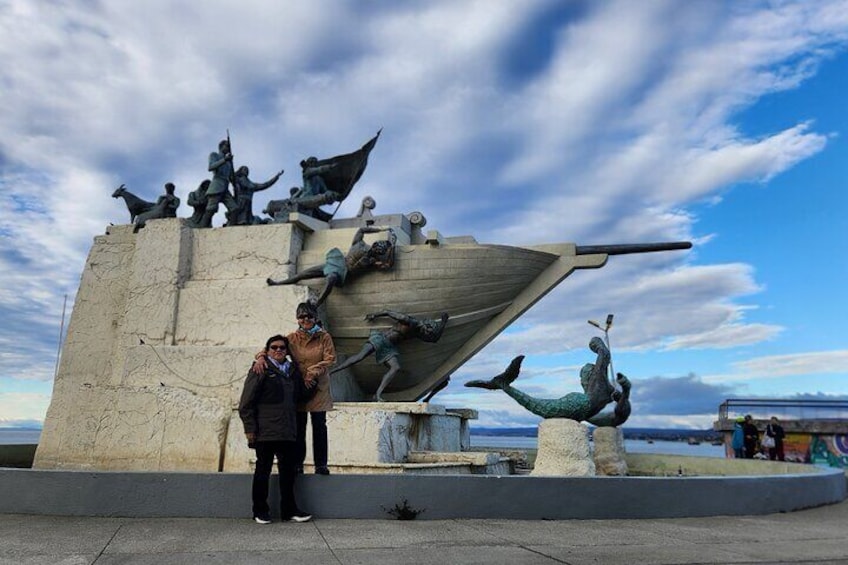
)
(722, 123)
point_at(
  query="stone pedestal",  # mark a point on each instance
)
(369, 437)
(385, 432)
(563, 450)
(609, 455)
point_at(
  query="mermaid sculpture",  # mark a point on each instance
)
(578, 406)
(621, 411)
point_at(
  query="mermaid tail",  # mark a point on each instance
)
(574, 406)
(502, 381)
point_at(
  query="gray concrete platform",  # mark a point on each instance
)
(807, 536)
(437, 497)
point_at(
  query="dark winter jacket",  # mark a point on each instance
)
(268, 401)
(776, 431)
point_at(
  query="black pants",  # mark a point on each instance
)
(750, 450)
(319, 438)
(286, 452)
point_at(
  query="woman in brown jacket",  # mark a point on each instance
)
(313, 350)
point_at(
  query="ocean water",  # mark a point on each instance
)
(9, 436)
(630, 445)
(15, 437)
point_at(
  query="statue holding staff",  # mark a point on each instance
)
(221, 167)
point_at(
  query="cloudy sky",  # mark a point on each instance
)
(527, 122)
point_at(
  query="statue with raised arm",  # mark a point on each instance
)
(578, 406)
(165, 207)
(244, 189)
(383, 343)
(360, 258)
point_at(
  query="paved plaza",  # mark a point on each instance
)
(809, 536)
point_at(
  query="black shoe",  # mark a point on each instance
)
(262, 518)
(322, 471)
(298, 470)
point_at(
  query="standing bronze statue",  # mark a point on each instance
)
(383, 343)
(244, 189)
(221, 167)
(360, 257)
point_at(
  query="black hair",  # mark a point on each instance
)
(274, 338)
(306, 308)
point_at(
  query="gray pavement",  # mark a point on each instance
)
(808, 536)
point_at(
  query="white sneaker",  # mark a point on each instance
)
(301, 517)
(264, 519)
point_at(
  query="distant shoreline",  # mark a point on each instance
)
(657, 434)
(31, 435)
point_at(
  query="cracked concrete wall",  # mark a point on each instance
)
(164, 328)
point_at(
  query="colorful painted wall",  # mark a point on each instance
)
(818, 449)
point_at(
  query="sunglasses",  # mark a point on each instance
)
(277, 348)
(306, 317)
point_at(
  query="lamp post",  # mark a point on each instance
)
(606, 328)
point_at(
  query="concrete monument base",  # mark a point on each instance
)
(386, 438)
(609, 455)
(386, 432)
(563, 450)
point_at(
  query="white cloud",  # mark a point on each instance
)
(726, 336)
(689, 307)
(608, 134)
(796, 364)
(22, 406)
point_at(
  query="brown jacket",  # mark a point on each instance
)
(315, 354)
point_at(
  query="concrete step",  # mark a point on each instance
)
(480, 462)
(429, 463)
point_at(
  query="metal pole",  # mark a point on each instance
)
(609, 347)
(612, 371)
(61, 331)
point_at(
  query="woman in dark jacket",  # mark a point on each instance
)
(775, 431)
(267, 409)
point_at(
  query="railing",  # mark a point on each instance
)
(765, 408)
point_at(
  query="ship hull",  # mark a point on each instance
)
(482, 287)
